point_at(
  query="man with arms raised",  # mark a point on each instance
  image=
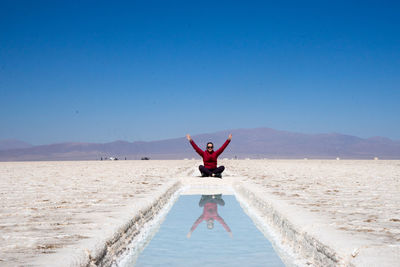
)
(210, 158)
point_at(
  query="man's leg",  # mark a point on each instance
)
(217, 172)
(204, 171)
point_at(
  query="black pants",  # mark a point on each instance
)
(208, 172)
(211, 199)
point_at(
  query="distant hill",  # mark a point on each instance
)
(246, 143)
(13, 144)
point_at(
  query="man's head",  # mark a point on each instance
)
(210, 146)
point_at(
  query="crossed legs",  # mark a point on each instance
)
(211, 172)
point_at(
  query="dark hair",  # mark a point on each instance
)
(209, 143)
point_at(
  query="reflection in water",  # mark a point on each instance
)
(209, 245)
(210, 213)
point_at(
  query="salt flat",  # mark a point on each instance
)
(46, 207)
(357, 196)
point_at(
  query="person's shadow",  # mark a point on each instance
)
(210, 213)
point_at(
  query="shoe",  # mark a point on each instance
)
(204, 175)
(218, 175)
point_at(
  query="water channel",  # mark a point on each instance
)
(206, 230)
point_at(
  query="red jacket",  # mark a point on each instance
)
(210, 211)
(210, 159)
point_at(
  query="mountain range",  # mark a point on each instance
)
(246, 143)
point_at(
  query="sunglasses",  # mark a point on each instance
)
(209, 147)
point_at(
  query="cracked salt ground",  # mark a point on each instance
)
(50, 207)
(186, 238)
(358, 197)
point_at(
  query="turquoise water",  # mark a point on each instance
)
(233, 240)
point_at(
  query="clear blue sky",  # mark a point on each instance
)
(95, 71)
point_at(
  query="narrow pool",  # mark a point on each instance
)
(207, 230)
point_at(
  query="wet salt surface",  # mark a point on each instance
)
(172, 246)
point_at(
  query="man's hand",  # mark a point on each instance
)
(189, 235)
(188, 137)
(230, 137)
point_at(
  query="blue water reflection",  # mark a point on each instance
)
(210, 213)
(232, 241)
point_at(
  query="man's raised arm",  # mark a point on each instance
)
(198, 150)
(222, 148)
